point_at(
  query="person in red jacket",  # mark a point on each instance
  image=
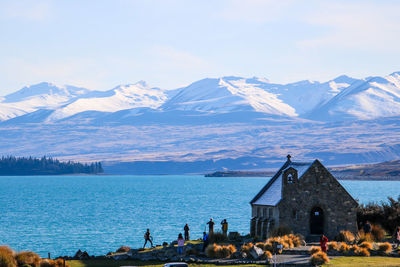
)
(323, 241)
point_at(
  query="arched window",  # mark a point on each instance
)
(290, 178)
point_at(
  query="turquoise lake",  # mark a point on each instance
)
(61, 214)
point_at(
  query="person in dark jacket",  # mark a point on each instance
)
(206, 241)
(210, 226)
(367, 227)
(224, 227)
(147, 237)
(186, 228)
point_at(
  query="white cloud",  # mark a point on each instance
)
(362, 26)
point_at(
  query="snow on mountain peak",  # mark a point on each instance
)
(121, 97)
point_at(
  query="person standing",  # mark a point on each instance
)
(397, 237)
(224, 227)
(323, 241)
(205, 241)
(211, 227)
(186, 228)
(181, 244)
(367, 227)
(147, 237)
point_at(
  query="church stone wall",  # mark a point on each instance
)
(317, 188)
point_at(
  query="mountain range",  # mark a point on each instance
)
(211, 124)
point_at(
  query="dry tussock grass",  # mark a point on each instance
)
(319, 258)
(366, 244)
(217, 251)
(7, 257)
(362, 252)
(314, 250)
(385, 248)
(345, 236)
(333, 245)
(344, 248)
(53, 263)
(246, 247)
(27, 257)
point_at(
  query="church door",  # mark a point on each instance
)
(317, 221)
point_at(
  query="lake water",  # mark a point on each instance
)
(61, 214)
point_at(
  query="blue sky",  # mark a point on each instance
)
(170, 43)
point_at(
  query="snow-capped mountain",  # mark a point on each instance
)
(227, 94)
(371, 98)
(121, 97)
(342, 98)
(35, 97)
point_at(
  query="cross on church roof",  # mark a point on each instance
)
(288, 157)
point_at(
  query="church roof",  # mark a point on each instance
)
(271, 193)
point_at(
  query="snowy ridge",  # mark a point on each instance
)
(342, 98)
(373, 98)
(121, 97)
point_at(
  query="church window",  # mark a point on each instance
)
(290, 178)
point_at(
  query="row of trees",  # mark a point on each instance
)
(45, 166)
(386, 214)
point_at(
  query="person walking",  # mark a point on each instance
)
(181, 244)
(186, 228)
(147, 237)
(367, 227)
(323, 241)
(224, 227)
(211, 227)
(397, 237)
(205, 241)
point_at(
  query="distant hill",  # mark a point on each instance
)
(45, 166)
(388, 170)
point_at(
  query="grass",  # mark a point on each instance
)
(364, 262)
(112, 263)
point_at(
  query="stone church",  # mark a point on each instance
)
(306, 198)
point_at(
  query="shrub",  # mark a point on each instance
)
(53, 263)
(319, 258)
(268, 246)
(216, 251)
(218, 237)
(362, 252)
(124, 249)
(344, 248)
(333, 245)
(246, 247)
(377, 232)
(281, 231)
(297, 240)
(27, 258)
(7, 257)
(385, 214)
(314, 250)
(366, 244)
(211, 251)
(385, 248)
(266, 255)
(362, 237)
(353, 248)
(345, 236)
